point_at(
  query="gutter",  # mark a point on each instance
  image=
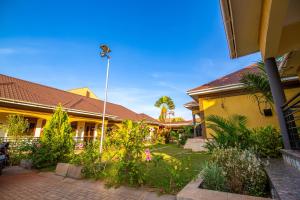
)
(228, 25)
(36, 105)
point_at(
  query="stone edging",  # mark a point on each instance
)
(192, 192)
(68, 170)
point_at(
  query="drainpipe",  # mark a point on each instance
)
(278, 97)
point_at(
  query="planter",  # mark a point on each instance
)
(68, 170)
(26, 163)
(192, 192)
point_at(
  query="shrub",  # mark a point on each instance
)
(233, 133)
(229, 133)
(16, 126)
(184, 134)
(243, 171)
(213, 176)
(129, 141)
(20, 149)
(56, 143)
(267, 142)
(90, 159)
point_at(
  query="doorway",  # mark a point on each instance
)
(89, 132)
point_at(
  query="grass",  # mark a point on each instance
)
(175, 168)
(170, 169)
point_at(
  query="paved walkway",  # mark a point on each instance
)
(21, 184)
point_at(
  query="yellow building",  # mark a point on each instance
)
(36, 103)
(85, 91)
(271, 27)
(226, 96)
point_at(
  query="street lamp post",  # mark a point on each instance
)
(104, 53)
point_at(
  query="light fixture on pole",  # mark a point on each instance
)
(104, 53)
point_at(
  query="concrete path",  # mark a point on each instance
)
(17, 183)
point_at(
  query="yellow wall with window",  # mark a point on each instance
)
(242, 105)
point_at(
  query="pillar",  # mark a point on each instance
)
(96, 131)
(80, 132)
(194, 123)
(278, 97)
(38, 128)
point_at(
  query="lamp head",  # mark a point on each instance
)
(105, 50)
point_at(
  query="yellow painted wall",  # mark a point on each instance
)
(242, 105)
(83, 91)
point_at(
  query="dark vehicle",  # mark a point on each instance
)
(4, 157)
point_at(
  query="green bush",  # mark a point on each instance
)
(228, 133)
(56, 143)
(213, 176)
(233, 133)
(90, 159)
(129, 143)
(16, 126)
(243, 171)
(267, 142)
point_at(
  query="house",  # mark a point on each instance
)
(272, 27)
(36, 103)
(226, 96)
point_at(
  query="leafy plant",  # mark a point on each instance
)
(267, 142)
(56, 143)
(90, 159)
(16, 126)
(258, 85)
(129, 141)
(231, 132)
(243, 171)
(165, 103)
(213, 176)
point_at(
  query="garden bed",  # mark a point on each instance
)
(193, 191)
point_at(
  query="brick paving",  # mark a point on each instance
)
(18, 184)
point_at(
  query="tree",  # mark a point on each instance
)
(165, 103)
(258, 85)
(16, 126)
(56, 142)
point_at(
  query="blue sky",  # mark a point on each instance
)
(158, 47)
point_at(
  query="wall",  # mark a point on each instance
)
(240, 104)
(83, 92)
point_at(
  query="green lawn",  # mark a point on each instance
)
(177, 167)
(170, 169)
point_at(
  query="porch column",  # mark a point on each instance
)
(278, 97)
(80, 128)
(38, 128)
(96, 131)
(194, 123)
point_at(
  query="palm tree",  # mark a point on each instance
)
(165, 103)
(258, 85)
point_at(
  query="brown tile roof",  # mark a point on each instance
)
(147, 118)
(232, 78)
(25, 91)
